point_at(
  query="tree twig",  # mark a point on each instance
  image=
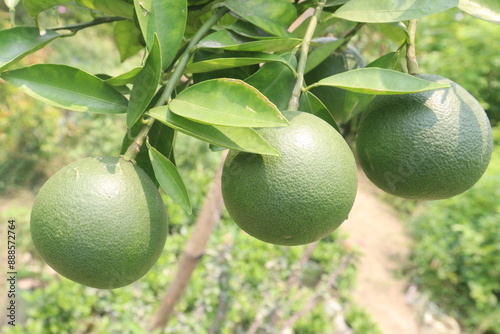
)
(135, 146)
(350, 34)
(193, 251)
(294, 276)
(74, 28)
(292, 280)
(261, 315)
(313, 301)
(293, 104)
(411, 58)
(223, 301)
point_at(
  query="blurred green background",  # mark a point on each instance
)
(456, 242)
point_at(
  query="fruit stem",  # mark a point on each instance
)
(12, 15)
(165, 97)
(411, 58)
(293, 104)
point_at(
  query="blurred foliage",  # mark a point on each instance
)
(456, 251)
(360, 321)
(37, 139)
(464, 49)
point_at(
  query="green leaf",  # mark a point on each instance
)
(229, 102)
(241, 139)
(324, 23)
(215, 148)
(109, 7)
(319, 54)
(67, 87)
(241, 72)
(35, 7)
(311, 104)
(272, 16)
(275, 81)
(127, 39)
(122, 89)
(162, 137)
(488, 10)
(389, 60)
(124, 78)
(331, 3)
(337, 62)
(247, 29)
(145, 85)
(378, 81)
(225, 39)
(18, 42)
(168, 19)
(250, 58)
(391, 10)
(170, 180)
(355, 103)
(396, 31)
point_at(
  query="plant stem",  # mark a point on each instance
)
(411, 58)
(135, 147)
(293, 104)
(350, 34)
(74, 28)
(12, 14)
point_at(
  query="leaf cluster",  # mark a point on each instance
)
(217, 83)
(214, 70)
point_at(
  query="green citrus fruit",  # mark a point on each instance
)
(429, 145)
(299, 197)
(100, 222)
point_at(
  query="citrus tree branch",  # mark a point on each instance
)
(193, 251)
(181, 66)
(411, 58)
(293, 104)
(135, 147)
(350, 34)
(74, 28)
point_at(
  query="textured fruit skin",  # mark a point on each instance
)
(299, 197)
(100, 222)
(430, 145)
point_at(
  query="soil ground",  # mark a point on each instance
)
(375, 228)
